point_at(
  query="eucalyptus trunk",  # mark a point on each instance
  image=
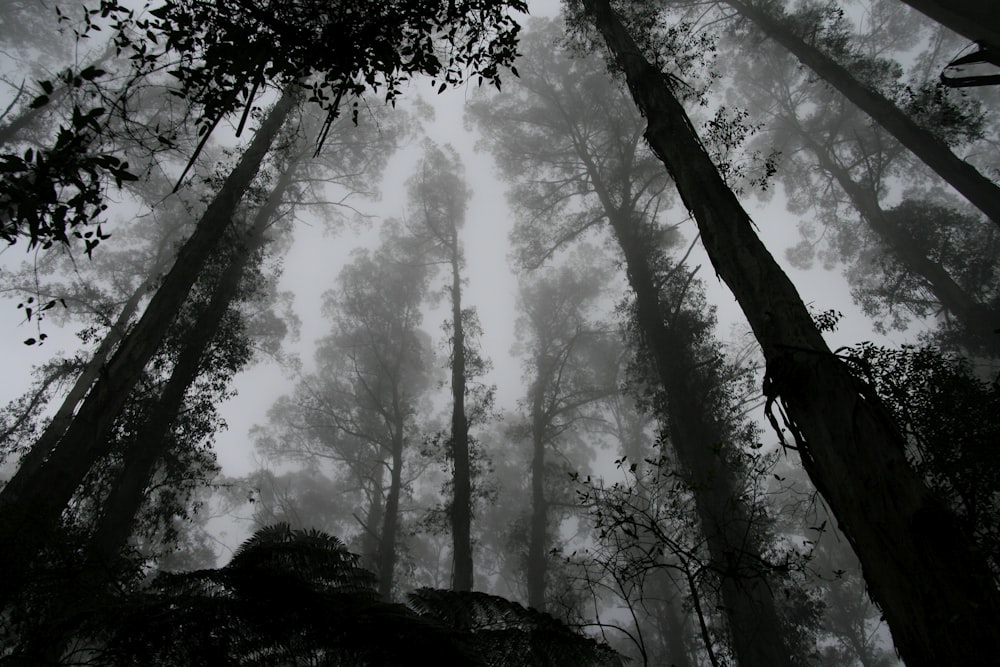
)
(983, 193)
(390, 519)
(31, 504)
(934, 587)
(537, 565)
(461, 508)
(700, 441)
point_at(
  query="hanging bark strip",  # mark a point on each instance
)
(935, 589)
(983, 193)
(30, 505)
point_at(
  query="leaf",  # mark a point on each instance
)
(39, 102)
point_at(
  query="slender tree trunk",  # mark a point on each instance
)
(373, 521)
(974, 19)
(966, 179)
(537, 565)
(461, 509)
(30, 505)
(30, 462)
(390, 524)
(974, 316)
(152, 442)
(935, 588)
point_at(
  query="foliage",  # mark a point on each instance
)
(951, 420)
(337, 52)
(299, 597)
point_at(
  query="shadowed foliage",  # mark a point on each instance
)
(298, 597)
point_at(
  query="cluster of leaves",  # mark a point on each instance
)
(951, 420)
(299, 597)
(48, 193)
(345, 49)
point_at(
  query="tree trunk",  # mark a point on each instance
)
(699, 440)
(390, 524)
(973, 19)
(373, 522)
(966, 179)
(151, 442)
(30, 505)
(974, 316)
(537, 565)
(461, 509)
(935, 588)
(33, 459)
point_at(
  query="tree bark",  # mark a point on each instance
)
(974, 316)
(983, 193)
(935, 588)
(35, 456)
(973, 19)
(390, 523)
(151, 442)
(30, 506)
(537, 565)
(461, 508)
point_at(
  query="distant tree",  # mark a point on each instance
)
(361, 406)
(571, 364)
(900, 530)
(438, 198)
(935, 153)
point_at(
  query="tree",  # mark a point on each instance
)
(361, 406)
(439, 197)
(910, 261)
(30, 503)
(934, 152)
(571, 366)
(847, 439)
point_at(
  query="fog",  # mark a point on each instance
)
(242, 296)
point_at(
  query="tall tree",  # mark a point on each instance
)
(935, 153)
(438, 199)
(570, 367)
(848, 441)
(908, 259)
(30, 504)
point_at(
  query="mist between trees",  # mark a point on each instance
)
(622, 468)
